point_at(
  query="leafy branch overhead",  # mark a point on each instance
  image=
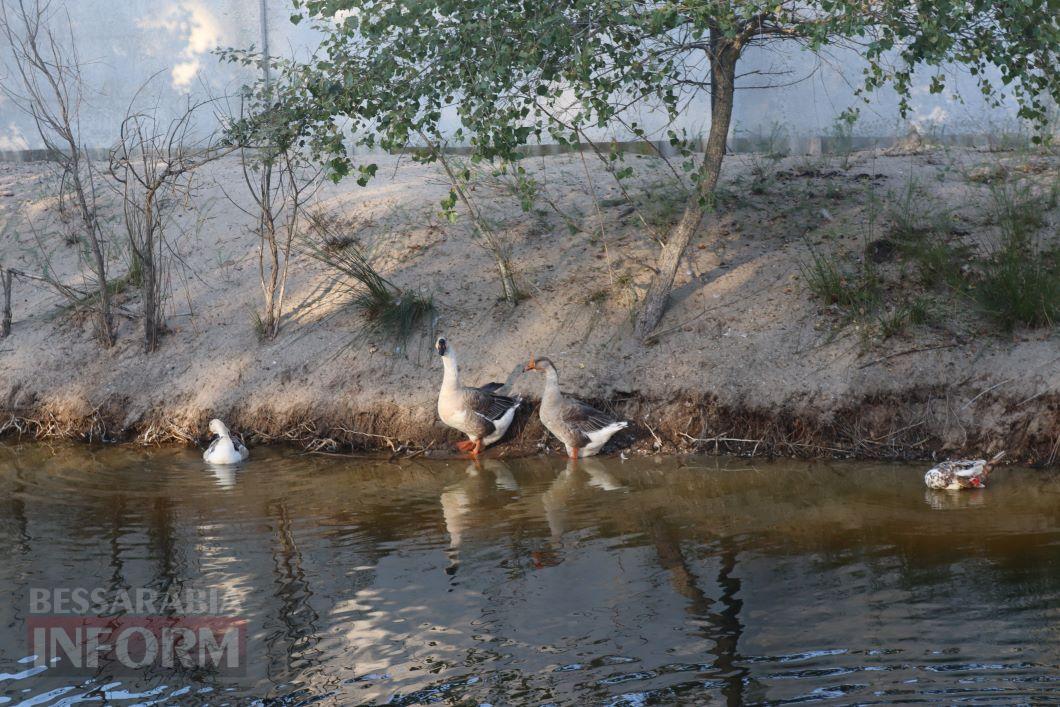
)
(511, 71)
(503, 66)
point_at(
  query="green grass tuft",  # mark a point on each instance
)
(938, 262)
(855, 290)
(1021, 286)
(387, 310)
(915, 216)
(392, 312)
(1019, 210)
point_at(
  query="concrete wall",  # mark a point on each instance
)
(123, 44)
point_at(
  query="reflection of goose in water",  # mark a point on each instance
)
(502, 475)
(460, 498)
(567, 485)
(225, 476)
(946, 501)
(599, 477)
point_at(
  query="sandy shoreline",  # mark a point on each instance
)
(747, 361)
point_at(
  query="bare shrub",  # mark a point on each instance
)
(280, 179)
(152, 163)
(48, 88)
(486, 236)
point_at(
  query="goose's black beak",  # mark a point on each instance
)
(442, 346)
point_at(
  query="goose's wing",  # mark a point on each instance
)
(585, 418)
(213, 446)
(485, 403)
(947, 467)
(970, 468)
(491, 387)
(237, 444)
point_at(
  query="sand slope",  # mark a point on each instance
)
(745, 352)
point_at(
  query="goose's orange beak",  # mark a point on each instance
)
(531, 366)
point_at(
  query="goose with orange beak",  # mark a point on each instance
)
(583, 429)
(480, 413)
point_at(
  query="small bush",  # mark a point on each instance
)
(824, 278)
(1016, 283)
(918, 311)
(767, 150)
(662, 204)
(922, 232)
(843, 140)
(858, 292)
(260, 330)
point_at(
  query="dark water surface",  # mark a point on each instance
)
(534, 581)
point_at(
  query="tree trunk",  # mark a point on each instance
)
(150, 287)
(723, 74)
(6, 276)
(508, 286)
(88, 220)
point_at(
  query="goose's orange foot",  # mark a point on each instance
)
(465, 445)
(573, 452)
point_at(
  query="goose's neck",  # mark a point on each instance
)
(451, 376)
(552, 392)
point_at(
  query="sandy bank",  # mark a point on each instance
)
(746, 361)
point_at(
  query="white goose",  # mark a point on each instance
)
(224, 449)
(479, 413)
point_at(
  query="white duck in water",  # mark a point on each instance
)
(479, 413)
(224, 449)
(963, 474)
(583, 429)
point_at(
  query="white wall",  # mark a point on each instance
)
(123, 43)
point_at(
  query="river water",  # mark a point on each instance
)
(535, 581)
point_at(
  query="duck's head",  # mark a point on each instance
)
(989, 466)
(441, 346)
(539, 364)
(218, 428)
